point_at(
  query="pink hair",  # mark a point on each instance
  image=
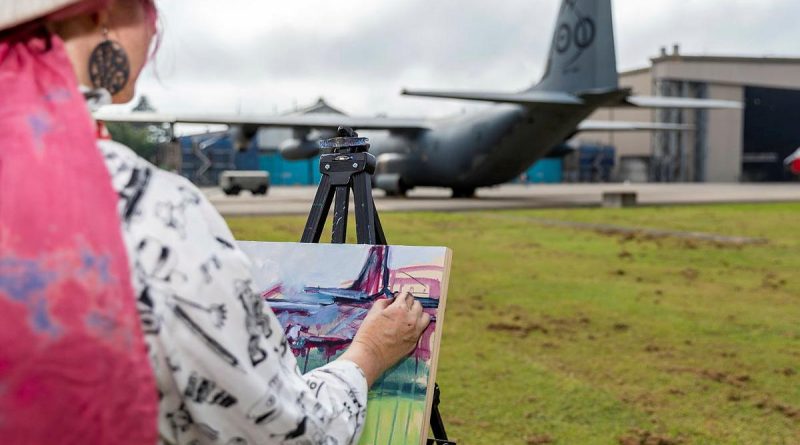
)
(151, 12)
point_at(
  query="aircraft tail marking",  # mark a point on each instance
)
(582, 56)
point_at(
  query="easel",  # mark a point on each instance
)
(346, 164)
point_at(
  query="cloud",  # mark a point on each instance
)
(263, 57)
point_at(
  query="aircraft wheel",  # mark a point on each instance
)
(463, 192)
(396, 193)
(400, 191)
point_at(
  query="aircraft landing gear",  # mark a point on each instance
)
(393, 185)
(463, 192)
(396, 193)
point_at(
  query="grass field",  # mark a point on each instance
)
(581, 336)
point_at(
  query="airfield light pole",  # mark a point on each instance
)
(346, 165)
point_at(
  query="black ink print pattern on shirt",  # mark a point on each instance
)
(216, 312)
(134, 177)
(213, 345)
(256, 323)
(202, 390)
(209, 267)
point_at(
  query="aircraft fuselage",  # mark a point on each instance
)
(477, 150)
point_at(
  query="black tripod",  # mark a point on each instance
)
(346, 164)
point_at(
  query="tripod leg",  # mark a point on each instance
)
(319, 212)
(437, 425)
(365, 209)
(340, 208)
(380, 237)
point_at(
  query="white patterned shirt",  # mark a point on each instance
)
(225, 372)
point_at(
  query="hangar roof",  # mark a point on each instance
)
(765, 71)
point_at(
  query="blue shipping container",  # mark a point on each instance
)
(283, 172)
(248, 159)
(545, 171)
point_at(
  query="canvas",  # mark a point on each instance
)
(322, 292)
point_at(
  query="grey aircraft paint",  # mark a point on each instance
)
(499, 144)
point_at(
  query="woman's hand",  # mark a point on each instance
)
(389, 332)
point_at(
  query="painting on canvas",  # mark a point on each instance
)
(322, 292)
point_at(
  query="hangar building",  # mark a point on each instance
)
(726, 145)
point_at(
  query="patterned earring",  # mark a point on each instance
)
(109, 67)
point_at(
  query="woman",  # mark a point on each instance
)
(127, 313)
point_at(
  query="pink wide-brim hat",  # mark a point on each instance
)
(17, 12)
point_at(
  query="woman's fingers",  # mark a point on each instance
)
(416, 309)
(404, 300)
(399, 300)
(382, 304)
(423, 322)
(409, 300)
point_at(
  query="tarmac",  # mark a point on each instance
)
(298, 200)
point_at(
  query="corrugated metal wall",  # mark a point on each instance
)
(206, 156)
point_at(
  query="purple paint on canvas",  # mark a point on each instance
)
(327, 318)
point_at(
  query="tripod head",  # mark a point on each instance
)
(345, 142)
(345, 164)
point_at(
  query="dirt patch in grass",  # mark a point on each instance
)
(455, 421)
(772, 281)
(690, 274)
(561, 328)
(687, 240)
(522, 330)
(738, 381)
(783, 409)
(539, 439)
(723, 377)
(643, 437)
(621, 327)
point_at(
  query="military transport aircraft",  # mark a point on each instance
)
(495, 145)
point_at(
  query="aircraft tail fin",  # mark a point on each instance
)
(374, 274)
(582, 56)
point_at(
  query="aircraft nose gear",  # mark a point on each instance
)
(463, 192)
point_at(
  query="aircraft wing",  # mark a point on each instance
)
(526, 98)
(562, 98)
(680, 102)
(310, 121)
(606, 126)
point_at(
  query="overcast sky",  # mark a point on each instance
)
(265, 56)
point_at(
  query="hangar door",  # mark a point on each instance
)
(771, 133)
